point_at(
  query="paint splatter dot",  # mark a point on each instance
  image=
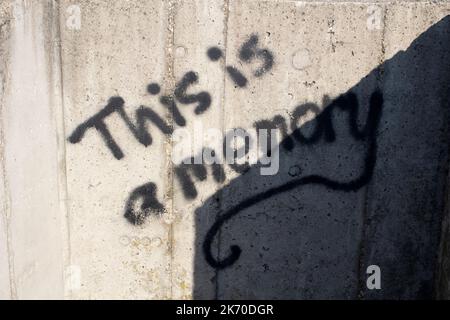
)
(214, 53)
(153, 88)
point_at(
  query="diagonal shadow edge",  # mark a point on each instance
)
(435, 32)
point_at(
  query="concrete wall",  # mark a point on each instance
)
(443, 275)
(93, 206)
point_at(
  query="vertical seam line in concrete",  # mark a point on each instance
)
(63, 187)
(6, 214)
(365, 212)
(226, 10)
(7, 195)
(169, 84)
(2, 157)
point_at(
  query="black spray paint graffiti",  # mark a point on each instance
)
(188, 171)
(248, 52)
(149, 203)
(324, 129)
(144, 114)
(145, 196)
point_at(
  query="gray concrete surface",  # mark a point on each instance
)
(68, 192)
(31, 216)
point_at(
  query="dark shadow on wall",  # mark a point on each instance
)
(361, 184)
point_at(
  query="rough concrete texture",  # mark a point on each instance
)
(93, 207)
(31, 216)
(443, 276)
